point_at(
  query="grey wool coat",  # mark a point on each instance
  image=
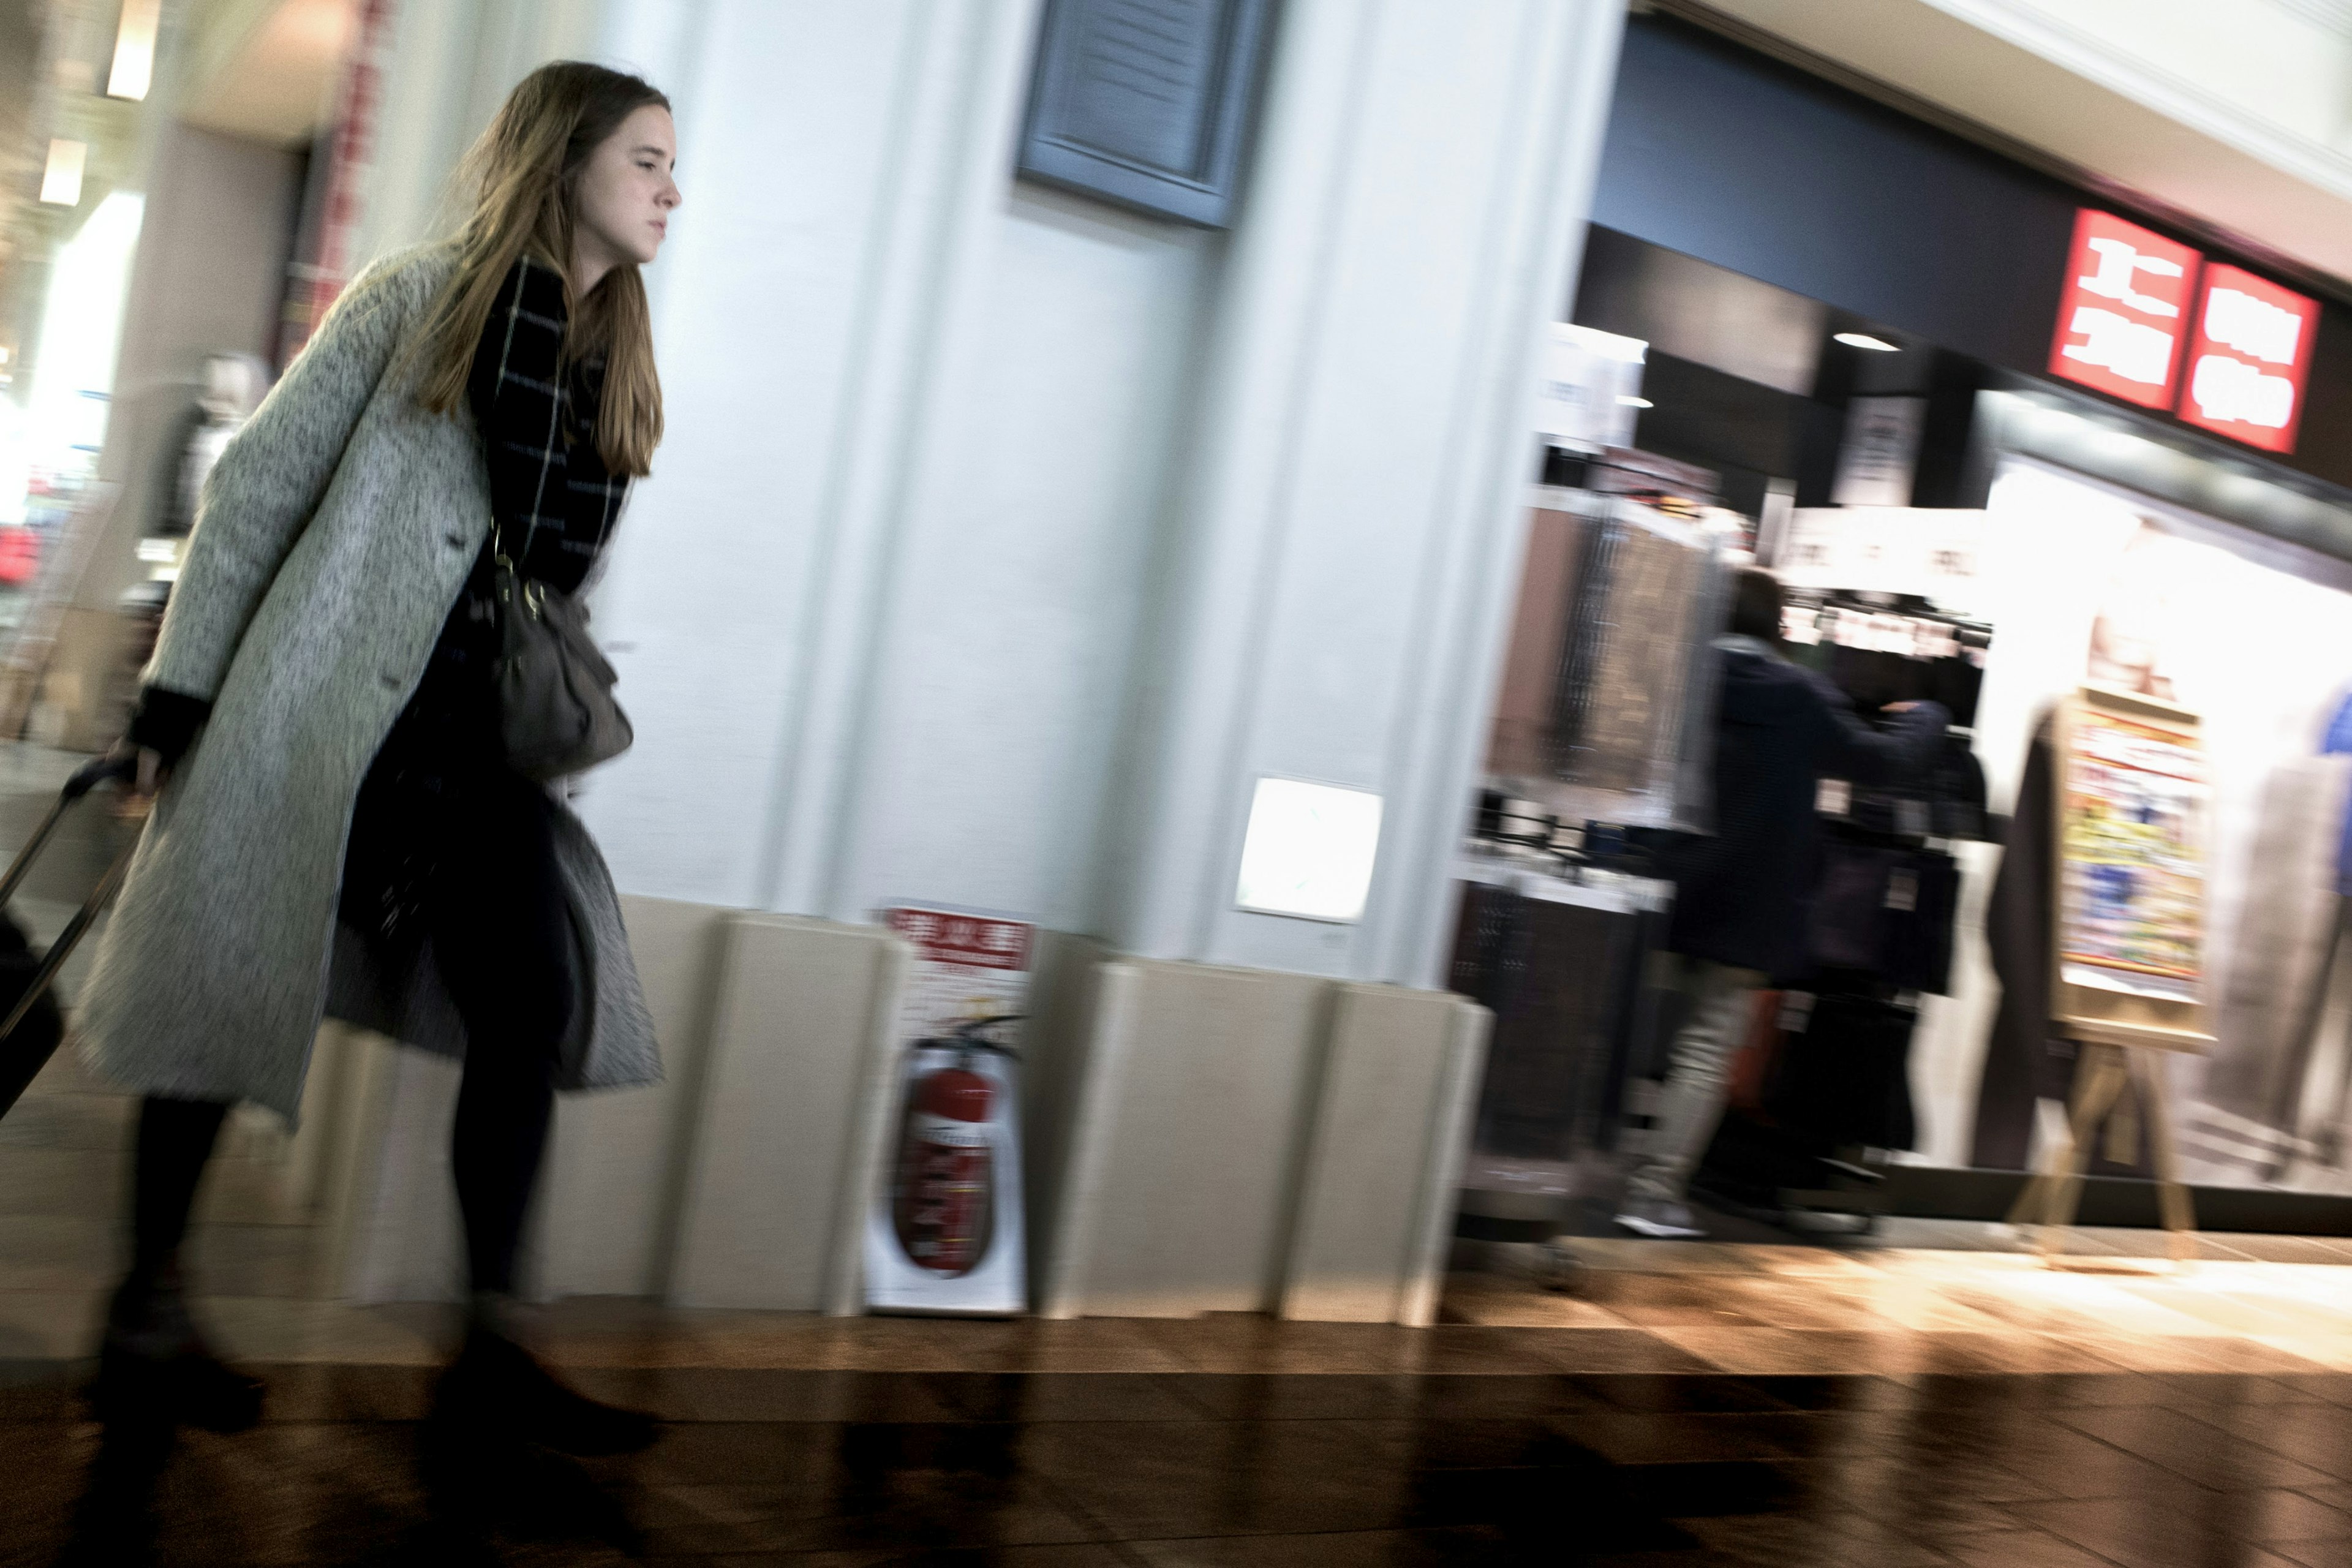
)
(331, 542)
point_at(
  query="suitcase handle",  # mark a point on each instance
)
(87, 777)
(123, 767)
(16, 1075)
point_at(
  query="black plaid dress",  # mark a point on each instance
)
(554, 506)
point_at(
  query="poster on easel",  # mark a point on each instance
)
(2133, 799)
(945, 1232)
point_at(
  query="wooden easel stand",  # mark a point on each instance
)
(2051, 1199)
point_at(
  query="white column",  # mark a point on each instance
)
(1340, 566)
(836, 162)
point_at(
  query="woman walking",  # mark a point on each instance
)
(342, 825)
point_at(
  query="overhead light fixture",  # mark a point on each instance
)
(61, 181)
(1635, 402)
(134, 50)
(1864, 341)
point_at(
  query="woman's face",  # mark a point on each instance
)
(625, 191)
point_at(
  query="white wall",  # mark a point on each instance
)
(874, 613)
(764, 324)
(902, 609)
(1344, 557)
(1012, 632)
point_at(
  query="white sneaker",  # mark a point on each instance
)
(1659, 1219)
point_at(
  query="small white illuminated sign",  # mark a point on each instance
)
(1309, 850)
(61, 179)
(133, 70)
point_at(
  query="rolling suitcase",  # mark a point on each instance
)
(32, 1026)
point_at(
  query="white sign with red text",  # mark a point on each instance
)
(945, 1232)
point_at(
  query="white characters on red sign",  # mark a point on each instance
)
(2120, 265)
(2136, 350)
(2239, 321)
(2248, 358)
(2133, 350)
(2231, 389)
(2125, 310)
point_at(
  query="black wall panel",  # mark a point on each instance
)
(1723, 153)
(1718, 151)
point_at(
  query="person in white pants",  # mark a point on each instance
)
(1699, 1075)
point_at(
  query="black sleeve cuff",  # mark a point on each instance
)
(167, 721)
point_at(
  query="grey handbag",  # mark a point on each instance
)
(556, 712)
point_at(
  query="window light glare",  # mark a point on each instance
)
(1864, 341)
(1635, 402)
(61, 181)
(134, 50)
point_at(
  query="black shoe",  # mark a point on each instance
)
(481, 1484)
(495, 1388)
(154, 1367)
(123, 1538)
(114, 1522)
(191, 1386)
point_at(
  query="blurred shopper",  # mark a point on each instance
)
(1741, 896)
(231, 386)
(321, 704)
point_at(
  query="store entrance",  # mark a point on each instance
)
(1945, 532)
(1602, 798)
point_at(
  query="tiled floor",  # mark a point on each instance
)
(1681, 1405)
(1336, 1467)
(1933, 1397)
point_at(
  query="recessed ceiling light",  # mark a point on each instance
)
(1636, 402)
(1864, 341)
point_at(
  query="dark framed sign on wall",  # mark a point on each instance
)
(1148, 103)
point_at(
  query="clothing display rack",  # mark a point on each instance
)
(1629, 707)
(1602, 743)
(1889, 647)
(1560, 964)
(1606, 712)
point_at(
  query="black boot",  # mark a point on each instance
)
(114, 1522)
(496, 1389)
(154, 1366)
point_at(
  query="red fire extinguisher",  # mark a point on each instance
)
(945, 1200)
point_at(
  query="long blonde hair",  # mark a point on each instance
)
(526, 171)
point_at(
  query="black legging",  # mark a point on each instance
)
(502, 932)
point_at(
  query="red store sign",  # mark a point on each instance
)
(2134, 299)
(2126, 306)
(2247, 356)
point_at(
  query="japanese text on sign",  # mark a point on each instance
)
(2124, 310)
